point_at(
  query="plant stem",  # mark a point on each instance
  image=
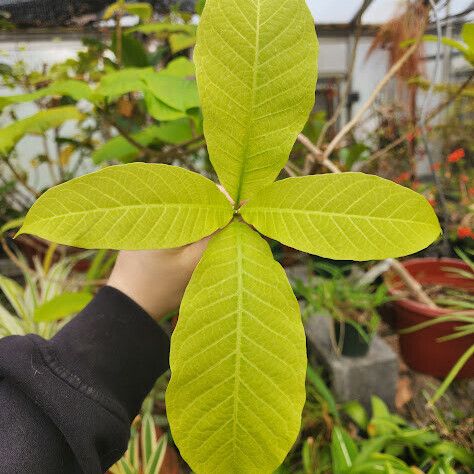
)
(317, 155)
(118, 38)
(156, 156)
(412, 284)
(20, 179)
(58, 153)
(54, 178)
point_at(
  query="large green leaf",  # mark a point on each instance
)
(349, 216)
(256, 64)
(71, 88)
(131, 207)
(238, 360)
(36, 124)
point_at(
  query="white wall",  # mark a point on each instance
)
(35, 54)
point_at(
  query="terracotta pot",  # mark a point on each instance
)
(421, 350)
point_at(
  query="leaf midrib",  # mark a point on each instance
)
(250, 119)
(238, 336)
(334, 214)
(147, 206)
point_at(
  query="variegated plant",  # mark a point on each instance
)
(238, 357)
(42, 306)
(146, 451)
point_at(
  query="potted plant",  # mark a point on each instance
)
(450, 283)
(336, 291)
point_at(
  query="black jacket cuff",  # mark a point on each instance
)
(115, 347)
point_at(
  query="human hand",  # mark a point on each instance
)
(156, 279)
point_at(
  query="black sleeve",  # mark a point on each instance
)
(66, 405)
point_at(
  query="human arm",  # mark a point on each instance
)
(67, 404)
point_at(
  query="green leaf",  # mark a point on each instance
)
(467, 35)
(180, 67)
(141, 9)
(148, 437)
(461, 362)
(442, 466)
(159, 110)
(36, 124)
(448, 448)
(350, 155)
(117, 83)
(200, 4)
(120, 149)
(9, 324)
(130, 207)
(175, 132)
(256, 66)
(379, 408)
(318, 383)
(357, 413)
(14, 293)
(466, 49)
(112, 9)
(371, 446)
(158, 28)
(348, 216)
(238, 359)
(134, 53)
(75, 89)
(126, 467)
(62, 306)
(180, 41)
(12, 224)
(343, 450)
(176, 92)
(157, 457)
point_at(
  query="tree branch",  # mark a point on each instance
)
(317, 155)
(431, 116)
(351, 124)
(156, 156)
(20, 179)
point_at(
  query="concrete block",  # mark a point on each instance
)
(354, 378)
